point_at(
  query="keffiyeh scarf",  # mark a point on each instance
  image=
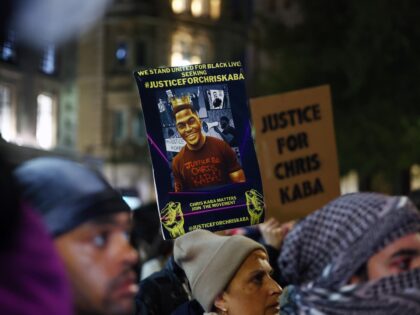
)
(325, 249)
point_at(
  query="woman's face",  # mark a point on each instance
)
(252, 291)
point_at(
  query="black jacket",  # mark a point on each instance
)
(163, 291)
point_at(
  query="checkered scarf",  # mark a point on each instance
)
(394, 295)
(325, 249)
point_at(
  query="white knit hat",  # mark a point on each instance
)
(210, 261)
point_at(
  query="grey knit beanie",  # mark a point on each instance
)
(210, 261)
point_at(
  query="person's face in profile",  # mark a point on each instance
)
(399, 256)
(251, 291)
(99, 262)
(189, 127)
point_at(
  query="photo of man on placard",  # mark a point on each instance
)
(216, 99)
(204, 161)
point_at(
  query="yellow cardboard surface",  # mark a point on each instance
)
(296, 149)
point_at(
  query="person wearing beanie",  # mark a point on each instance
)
(89, 222)
(35, 288)
(228, 274)
(359, 254)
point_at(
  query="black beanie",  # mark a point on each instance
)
(66, 193)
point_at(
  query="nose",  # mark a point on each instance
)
(187, 127)
(275, 288)
(131, 257)
(127, 253)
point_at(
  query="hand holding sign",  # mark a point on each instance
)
(273, 232)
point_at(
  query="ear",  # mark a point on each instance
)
(220, 302)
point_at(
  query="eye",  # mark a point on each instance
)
(402, 264)
(100, 240)
(258, 278)
(127, 235)
(191, 121)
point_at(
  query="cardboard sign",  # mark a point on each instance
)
(296, 151)
(204, 162)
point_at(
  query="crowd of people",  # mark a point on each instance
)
(70, 245)
(67, 239)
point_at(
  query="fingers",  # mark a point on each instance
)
(273, 232)
(269, 224)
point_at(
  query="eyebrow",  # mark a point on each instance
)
(259, 271)
(406, 252)
(186, 120)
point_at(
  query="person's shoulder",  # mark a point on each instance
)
(215, 142)
(212, 140)
(191, 308)
(219, 145)
(179, 155)
(152, 297)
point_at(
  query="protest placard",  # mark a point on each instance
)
(204, 162)
(296, 151)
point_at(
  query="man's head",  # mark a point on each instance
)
(146, 235)
(353, 239)
(224, 122)
(90, 224)
(188, 125)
